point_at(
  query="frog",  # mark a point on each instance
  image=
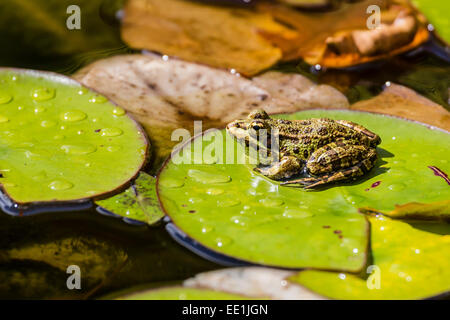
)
(320, 150)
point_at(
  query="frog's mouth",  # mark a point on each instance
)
(238, 129)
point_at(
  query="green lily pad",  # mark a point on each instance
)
(182, 293)
(252, 218)
(139, 202)
(409, 264)
(60, 141)
(437, 13)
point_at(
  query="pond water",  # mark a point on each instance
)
(113, 255)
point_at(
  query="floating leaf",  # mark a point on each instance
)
(252, 282)
(139, 202)
(61, 142)
(407, 264)
(189, 30)
(257, 220)
(181, 293)
(436, 11)
(400, 101)
(168, 95)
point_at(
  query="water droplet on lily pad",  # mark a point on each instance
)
(240, 220)
(111, 132)
(48, 123)
(5, 97)
(60, 185)
(295, 213)
(43, 94)
(113, 148)
(73, 116)
(214, 191)
(39, 109)
(208, 177)
(98, 99)
(171, 183)
(223, 241)
(397, 187)
(269, 202)
(206, 229)
(226, 203)
(118, 111)
(79, 149)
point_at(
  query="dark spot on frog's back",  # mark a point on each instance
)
(323, 131)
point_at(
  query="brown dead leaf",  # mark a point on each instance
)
(403, 102)
(347, 26)
(166, 95)
(223, 37)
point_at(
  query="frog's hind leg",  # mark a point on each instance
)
(373, 138)
(345, 174)
(285, 168)
(337, 161)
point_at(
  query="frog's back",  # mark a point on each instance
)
(301, 138)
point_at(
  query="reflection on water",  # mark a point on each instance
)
(35, 252)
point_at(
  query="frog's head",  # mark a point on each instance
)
(256, 120)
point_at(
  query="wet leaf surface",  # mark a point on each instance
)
(411, 264)
(319, 229)
(437, 15)
(61, 142)
(139, 202)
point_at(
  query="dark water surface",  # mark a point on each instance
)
(35, 251)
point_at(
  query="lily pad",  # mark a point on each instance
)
(181, 293)
(252, 218)
(436, 12)
(61, 142)
(407, 264)
(139, 202)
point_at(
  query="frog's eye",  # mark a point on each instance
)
(256, 125)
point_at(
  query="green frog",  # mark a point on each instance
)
(327, 150)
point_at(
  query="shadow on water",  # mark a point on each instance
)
(378, 170)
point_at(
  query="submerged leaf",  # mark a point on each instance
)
(255, 219)
(61, 142)
(165, 95)
(340, 38)
(139, 202)
(407, 264)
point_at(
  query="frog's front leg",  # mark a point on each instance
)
(285, 168)
(337, 162)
